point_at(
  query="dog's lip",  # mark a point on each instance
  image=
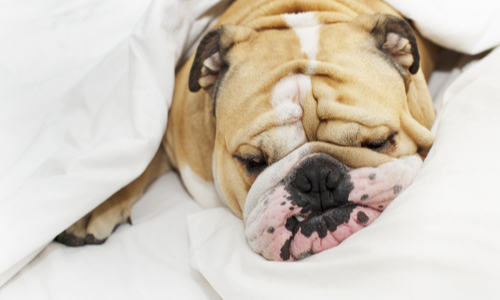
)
(302, 218)
(305, 220)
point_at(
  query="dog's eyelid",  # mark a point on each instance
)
(379, 143)
(247, 151)
(253, 164)
(258, 159)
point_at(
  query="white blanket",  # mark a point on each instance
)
(86, 87)
(84, 94)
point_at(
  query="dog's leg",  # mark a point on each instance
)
(97, 226)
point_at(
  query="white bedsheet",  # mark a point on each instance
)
(84, 90)
(149, 260)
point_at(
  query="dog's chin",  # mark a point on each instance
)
(281, 228)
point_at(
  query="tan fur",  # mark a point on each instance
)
(338, 117)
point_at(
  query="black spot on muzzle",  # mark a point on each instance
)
(321, 187)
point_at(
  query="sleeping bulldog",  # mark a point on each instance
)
(305, 117)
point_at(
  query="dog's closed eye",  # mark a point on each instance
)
(254, 164)
(380, 144)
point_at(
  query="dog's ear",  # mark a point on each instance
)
(210, 60)
(207, 62)
(394, 37)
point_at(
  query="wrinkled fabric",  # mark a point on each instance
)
(85, 88)
(465, 26)
(148, 260)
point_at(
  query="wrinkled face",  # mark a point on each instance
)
(314, 137)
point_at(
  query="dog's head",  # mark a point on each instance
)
(320, 122)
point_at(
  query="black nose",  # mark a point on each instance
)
(320, 183)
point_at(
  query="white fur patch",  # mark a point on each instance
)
(306, 26)
(216, 181)
(291, 90)
(287, 98)
(306, 19)
(311, 68)
(271, 176)
(202, 191)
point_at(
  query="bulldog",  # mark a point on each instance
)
(306, 118)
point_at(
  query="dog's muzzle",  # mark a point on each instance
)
(312, 202)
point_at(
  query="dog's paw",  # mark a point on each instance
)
(96, 226)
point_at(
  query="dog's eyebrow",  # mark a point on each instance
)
(260, 124)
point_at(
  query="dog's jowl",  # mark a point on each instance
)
(319, 203)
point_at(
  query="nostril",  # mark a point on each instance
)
(332, 180)
(302, 183)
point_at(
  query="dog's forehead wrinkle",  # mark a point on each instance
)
(305, 19)
(250, 133)
(277, 142)
(291, 89)
(352, 135)
(334, 111)
(283, 130)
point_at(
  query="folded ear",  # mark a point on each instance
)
(211, 58)
(207, 62)
(398, 40)
(395, 37)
